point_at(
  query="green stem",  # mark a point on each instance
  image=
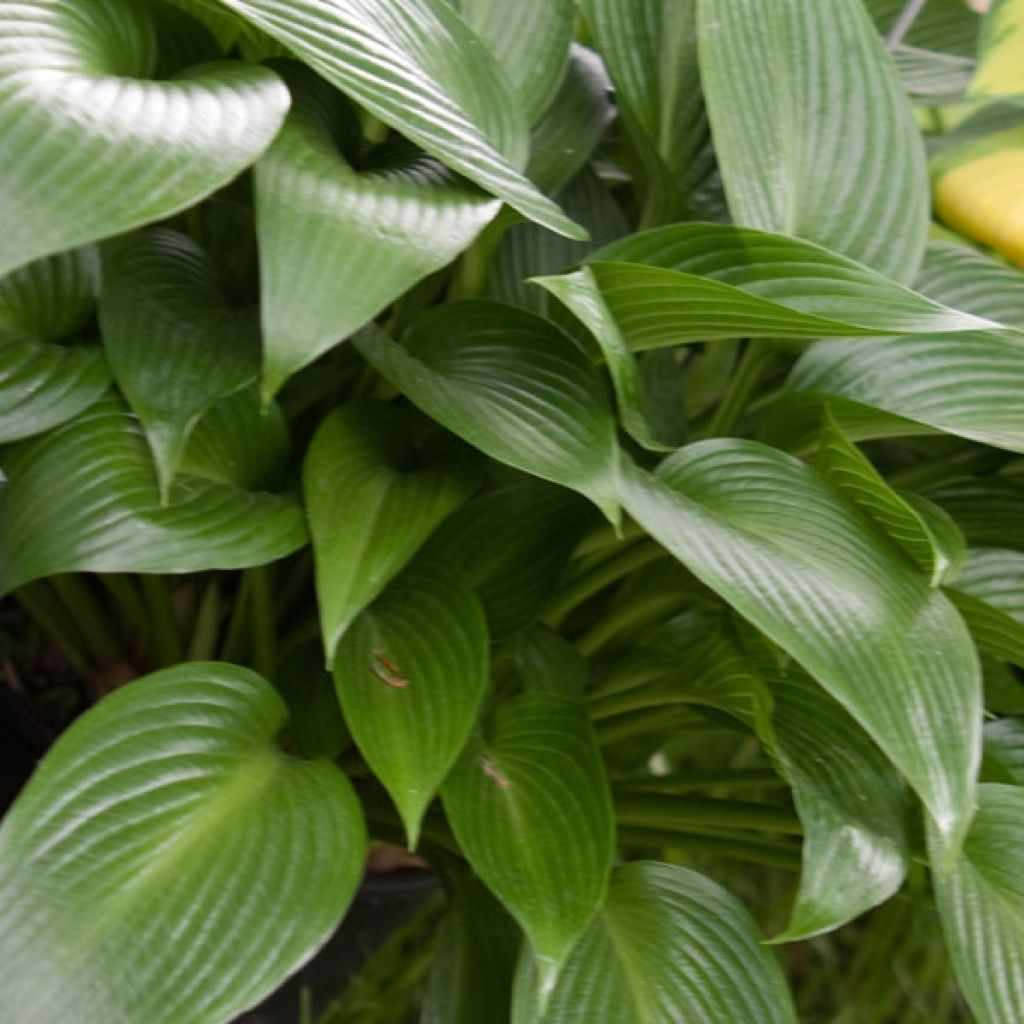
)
(655, 721)
(606, 536)
(674, 785)
(664, 811)
(731, 847)
(127, 596)
(474, 266)
(233, 648)
(81, 605)
(635, 613)
(164, 635)
(264, 628)
(43, 607)
(203, 644)
(756, 358)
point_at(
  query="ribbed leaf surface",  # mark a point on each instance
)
(167, 863)
(793, 557)
(813, 133)
(531, 809)
(84, 497)
(91, 148)
(668, 945)
(411, 674)
(421, 69)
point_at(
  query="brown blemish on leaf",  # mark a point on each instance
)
(492, 771)
(387, 671)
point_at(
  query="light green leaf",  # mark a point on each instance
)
(931, 77)
(93, 148)
(950, 26)
(861, 190)
(168, 863)
(417, 66)
(995, 576)
(651, 53)
(852, 473)
(512, 544)
(175, 344)
(514, 386)
(338, 245)
(84, 498)
(531, 809)
(530, 40)
(981, 903)
(376, 486)
(43, 384)
(695, 282)
(411, 673)
(668, 945)
(805, 567)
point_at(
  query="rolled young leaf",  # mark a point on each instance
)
(668, 945)
(94, 149)
(411, 674)
(84, 498)
(531, 809)
(793, 557)
(375, 491)
(167, 862)
(812, 132)
(418, 66)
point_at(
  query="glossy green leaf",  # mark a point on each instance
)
(966, 279)
(471, 980)
(981, 903)
(339, 245)
(411, 673)
(530, 807)
(995, 633)
(792, 556)
(530, 40)
(168, 863)
(175, 344)
(668, 945)
(376, 487)
(695, 282)
(94, 148)
(84, 498)
(512, 544)
(812, 131)
(995, 576)
(514, 386)
(418, 66)
(651, 53)
(852, 473)
(43, 384)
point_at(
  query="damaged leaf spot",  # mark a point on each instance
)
(385, 669)
(492, 771)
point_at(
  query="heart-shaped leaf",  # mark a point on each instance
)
(84, 498)
(167, 862)
(418, 66)
(514, 386)
(530, 806)
(411, 673)
(175, 345)
(793, 557)
(338, 245)
(668, 945)
(374, 493)
(778, 79)
(95, 149)
(981, 903)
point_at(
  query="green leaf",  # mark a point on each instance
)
(981, 903)
(994, 631)
(418, 67)
(511, 384)
(531, 809)
(548, 663)
(84, 498)
(314, 717)
(95, 149)
(861, 190)
(376, 486)
(175, 344)
(805, 567)
(950, 26)
(995, 576)
(337, 245)
(651, 53)
(852, 473)
(167, 862)
(966, 279)
(668, 945)
(530, 40)
(1004, 751)
(411, 673)
(512, 545)
(989, 510)
(931, 77)
(472, 976)
(695, 282)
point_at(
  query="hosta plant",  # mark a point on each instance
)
(578, 442)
